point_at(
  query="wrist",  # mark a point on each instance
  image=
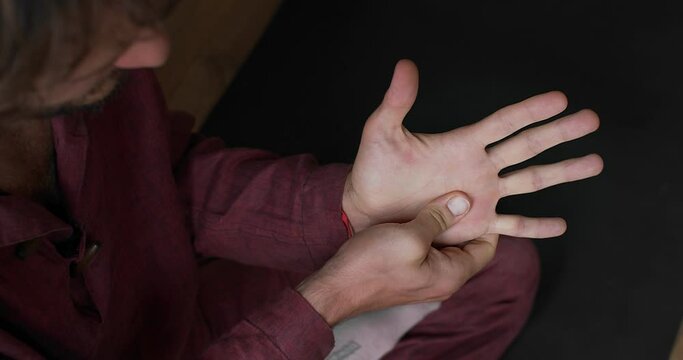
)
(358, 219)
(326, 298)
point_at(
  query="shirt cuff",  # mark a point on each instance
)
(294, 326)
(321, 207)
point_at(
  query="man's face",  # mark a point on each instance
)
(120, 45)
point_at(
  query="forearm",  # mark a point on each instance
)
(260, 209)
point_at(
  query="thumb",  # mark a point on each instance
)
(399, 99)
(440, 215)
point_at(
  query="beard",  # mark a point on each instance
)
(94, 99)
(99, 92)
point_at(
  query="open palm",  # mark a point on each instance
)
(397, 172)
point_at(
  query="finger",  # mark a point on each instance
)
(510, 119)
(473, 256)
(439, 215)
(398, 100)
(535, 228)
(534, 141)
(535, 178)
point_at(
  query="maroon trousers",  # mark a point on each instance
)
(478, 322)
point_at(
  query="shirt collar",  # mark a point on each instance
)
(22, 219)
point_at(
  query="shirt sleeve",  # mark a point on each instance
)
(257, 208)
(287, 328)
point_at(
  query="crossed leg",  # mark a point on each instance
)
(478, 322)
(484, 316)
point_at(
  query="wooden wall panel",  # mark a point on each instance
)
(677, 352)
(211, 40)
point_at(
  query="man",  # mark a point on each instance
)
(124, 236)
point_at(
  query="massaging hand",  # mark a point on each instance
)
(395, 264)
(397, 172)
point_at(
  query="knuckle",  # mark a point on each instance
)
(508, 124)
(530, 112)
(533, 143)
(537, 179)
(520, 226)
(464, 271)
(502, 119)
(445, 288)
(438, 218)
(455, 278)
(564, 132)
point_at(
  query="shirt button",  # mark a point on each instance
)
(90, 253)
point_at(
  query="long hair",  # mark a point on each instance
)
(49, 38)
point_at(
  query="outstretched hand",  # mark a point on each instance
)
(397, 172)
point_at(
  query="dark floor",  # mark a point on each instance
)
(613, 285)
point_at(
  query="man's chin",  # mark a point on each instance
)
(101, 93)
(97, 97)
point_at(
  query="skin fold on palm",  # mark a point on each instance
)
(397, 172)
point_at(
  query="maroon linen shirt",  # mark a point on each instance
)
(156, 200)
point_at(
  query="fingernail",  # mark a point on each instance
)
(458, 206)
